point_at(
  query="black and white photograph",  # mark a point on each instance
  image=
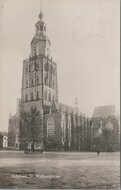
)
(60, 94)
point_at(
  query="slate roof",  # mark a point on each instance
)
(104, 111)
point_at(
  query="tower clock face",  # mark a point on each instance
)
(109, 125)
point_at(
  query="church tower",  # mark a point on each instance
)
(39, 78)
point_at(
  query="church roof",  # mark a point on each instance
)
(68, 109)
(104, 111)
(65, 108)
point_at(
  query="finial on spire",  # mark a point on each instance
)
(40, 15)
(76, 102)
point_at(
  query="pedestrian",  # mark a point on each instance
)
(98, 152)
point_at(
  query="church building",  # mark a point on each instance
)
(40, 90)
(64, 127)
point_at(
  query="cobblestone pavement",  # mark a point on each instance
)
(59, 170)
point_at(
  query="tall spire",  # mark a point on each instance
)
(76, 102)
(40, 15)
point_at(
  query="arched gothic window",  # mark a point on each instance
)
(50, 129)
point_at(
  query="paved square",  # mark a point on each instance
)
(63, 170)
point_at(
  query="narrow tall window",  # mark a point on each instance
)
(49, 96)
(32, 98)
(37, 95)
(45, 95)
(26, 83)
(26, 98)
(46, 81)
(32, 82)
(37, 80)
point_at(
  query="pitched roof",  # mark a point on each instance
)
(65, 108)
(68, 109)
(104, 111)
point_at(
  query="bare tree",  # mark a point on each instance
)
(31, 128)
(107, 139)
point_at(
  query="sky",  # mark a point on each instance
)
(85, 43)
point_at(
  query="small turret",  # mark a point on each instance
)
(40, 43)
(76, 104)
(40, 25)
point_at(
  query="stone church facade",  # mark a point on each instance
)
(64, 127)
(40, 90)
